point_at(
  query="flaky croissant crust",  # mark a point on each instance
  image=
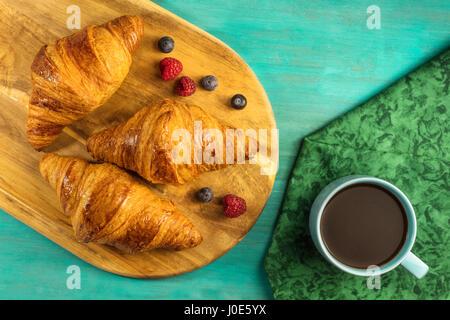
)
(144, 143)
(107, 205)
(76, 74)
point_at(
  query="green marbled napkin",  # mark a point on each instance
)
(401, 135)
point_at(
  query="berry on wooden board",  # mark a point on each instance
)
(170, 68)
(238, 101)
(185, 86)
(205, 194)
(233, 206)
(210, 83)
(166, 44)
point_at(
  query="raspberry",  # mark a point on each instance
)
(170, 68)
(185, 86)
(233, 206)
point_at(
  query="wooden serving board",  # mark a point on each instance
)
(25, 25)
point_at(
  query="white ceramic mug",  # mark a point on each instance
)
(404, 257)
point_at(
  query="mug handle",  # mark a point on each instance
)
(414, 265)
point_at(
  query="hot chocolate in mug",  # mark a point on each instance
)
(365, 226)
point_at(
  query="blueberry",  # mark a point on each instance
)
(205, 194)
(210, 83)
(166, 44)
(238, 101)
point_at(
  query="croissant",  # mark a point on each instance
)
(74, 75)
(145, 144)
(107, 205)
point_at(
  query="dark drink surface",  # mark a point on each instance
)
(363, 225)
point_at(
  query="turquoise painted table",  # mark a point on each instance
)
(316, 60)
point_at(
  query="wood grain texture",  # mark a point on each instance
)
(31, 200)
(316, 60)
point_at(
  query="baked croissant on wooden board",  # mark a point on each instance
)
(76, 74)
(107, 205)
(145, 143)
